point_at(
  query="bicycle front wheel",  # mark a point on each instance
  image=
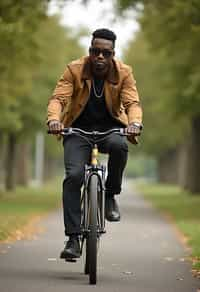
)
(91, 242)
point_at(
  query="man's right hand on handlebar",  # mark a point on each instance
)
(55, 126)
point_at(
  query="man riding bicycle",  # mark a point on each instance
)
(96, 92)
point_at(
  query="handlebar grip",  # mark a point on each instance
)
(61, 132)
(53, 133)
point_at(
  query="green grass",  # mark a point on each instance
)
(18, 207)
(183, 207)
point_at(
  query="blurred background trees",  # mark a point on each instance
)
(165, 59)
(164, 55)
(34, 50)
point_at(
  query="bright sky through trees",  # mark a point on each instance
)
(97, 14)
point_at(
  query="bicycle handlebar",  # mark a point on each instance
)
(120, 131)
(69, 131)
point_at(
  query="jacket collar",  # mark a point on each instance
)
(113, 73)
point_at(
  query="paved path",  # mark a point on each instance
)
(139, 254)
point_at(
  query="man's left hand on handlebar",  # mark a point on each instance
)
(134, 129)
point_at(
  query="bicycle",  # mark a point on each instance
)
(92, 199)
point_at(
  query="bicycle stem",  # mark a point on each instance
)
(94, 155)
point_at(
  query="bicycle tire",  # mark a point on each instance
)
(91, 241)
(99, 223)
(87, 260)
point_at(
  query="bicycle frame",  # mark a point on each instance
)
(94, 168)
(99, 170)
(92, 198)
(93, 214)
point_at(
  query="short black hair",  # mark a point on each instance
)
(104, 33)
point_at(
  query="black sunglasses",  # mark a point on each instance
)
(97, 51)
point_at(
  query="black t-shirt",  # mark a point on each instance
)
(95, 116)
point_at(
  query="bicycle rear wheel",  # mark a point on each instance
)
(91, 240)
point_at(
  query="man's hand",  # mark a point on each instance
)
(134, 129)
(55, 126)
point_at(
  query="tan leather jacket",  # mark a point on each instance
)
(72, 92)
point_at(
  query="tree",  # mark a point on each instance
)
(19, 20)
(173, 27)
(34, 50)
(164, 130)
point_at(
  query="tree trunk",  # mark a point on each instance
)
(167, 167)
(23, 163)
(48, 168)
(182, 164)
(39, 159)
(52, 167)
(2, 162)
(192, 179)
(10, 162)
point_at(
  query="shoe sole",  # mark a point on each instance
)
(69, 256)
(112, 219)
(71, 260)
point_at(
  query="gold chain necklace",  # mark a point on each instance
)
(95, 93)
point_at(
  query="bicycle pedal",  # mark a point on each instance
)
(71, 260)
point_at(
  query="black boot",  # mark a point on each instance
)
(72, 248)
(111, 209)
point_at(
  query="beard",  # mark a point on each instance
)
(100, 68)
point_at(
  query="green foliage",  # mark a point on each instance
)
(164, 56)
(18, 21)
(124, 4)
(34, 50)
(163, 128)
(55, 48)
(174, 26)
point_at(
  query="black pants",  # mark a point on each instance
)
(76, 154)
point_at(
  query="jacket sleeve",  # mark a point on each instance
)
(61, 96)
(130, 99)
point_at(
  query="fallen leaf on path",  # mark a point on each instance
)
(27, 232)
(196, 274)
(19, 234)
